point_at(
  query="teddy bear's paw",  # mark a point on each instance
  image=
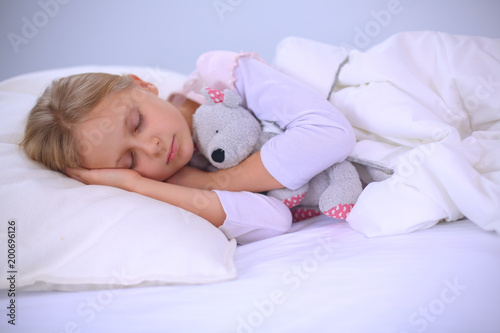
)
(304, 213)
(342, 193)
(290, 198)
(294, 201)
(340, 211)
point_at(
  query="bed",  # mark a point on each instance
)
(95, 259)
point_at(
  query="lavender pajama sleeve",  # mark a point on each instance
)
(253, 216)
(316, 136)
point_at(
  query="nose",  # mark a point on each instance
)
(218, 155)
(150, 146)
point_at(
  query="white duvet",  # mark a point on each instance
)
(426, 105)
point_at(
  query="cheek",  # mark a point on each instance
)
(186, 153)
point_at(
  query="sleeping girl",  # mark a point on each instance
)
(113, 130)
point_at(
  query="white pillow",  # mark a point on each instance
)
(69, 236)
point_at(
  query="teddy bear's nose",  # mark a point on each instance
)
(218, 155)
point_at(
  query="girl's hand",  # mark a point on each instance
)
(121, 178)
(211, 209)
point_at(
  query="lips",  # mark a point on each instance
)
(172, 151)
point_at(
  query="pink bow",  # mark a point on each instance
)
(216, 95)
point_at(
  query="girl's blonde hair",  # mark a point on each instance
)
(49, 136)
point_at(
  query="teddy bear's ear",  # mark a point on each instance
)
(205, 92)
(231, 98)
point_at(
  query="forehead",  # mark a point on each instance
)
(112, 104)
(117, 102)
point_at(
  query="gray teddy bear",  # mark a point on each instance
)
(225, 134)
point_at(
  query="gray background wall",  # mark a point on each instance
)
(45, 34)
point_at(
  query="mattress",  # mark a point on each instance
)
(321, 277)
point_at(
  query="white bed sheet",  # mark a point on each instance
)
(322, 277)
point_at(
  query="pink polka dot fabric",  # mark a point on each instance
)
(300, 214)
(216, 95)
(294, 201)
(339, 212)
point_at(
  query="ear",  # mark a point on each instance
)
(143, 84)
(208, 99)
(231, 98)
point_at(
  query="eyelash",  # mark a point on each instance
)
(132, 154)
(139, 124)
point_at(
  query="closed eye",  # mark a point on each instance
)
(139, 123)
(138, 127)
(132, 160)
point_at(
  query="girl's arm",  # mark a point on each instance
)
(201, 202)
(316, 135)
(245, 216)
(249, 175)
